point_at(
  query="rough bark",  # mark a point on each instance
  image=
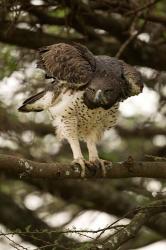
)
(23, 168)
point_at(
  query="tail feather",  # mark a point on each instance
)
(24, 108)
(34, 98)
(37, 102)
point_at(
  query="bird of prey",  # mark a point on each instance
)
(84, 97)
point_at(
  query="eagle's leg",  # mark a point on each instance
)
(77, 154)
(70, 132)
(92, 149)
(93, 156)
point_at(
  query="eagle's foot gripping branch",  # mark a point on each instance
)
(100, 165)
(82, 163)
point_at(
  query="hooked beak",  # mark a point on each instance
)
(98, 95)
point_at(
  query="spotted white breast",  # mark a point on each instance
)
(71, 115)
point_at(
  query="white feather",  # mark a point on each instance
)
(71, 117)
(42, 103)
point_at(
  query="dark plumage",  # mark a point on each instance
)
(76, 65)
(84, 96)
(109, 81)
(72, 63)
(102, 92)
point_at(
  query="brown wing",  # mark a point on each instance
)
(73, 63)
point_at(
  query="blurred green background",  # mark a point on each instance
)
(135, 31)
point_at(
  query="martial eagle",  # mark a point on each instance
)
(84, 97)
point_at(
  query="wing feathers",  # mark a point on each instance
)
(72, 63)
(37, 102)
(34, 98)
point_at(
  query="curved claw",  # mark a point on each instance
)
(102, 164)
(82, 163)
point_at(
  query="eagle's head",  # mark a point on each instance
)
(103, 91)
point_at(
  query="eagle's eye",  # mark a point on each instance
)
(108, 92)
(91, 90)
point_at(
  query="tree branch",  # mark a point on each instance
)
(23, 168)
(14, 217)
(124, 234)
(129, 232)
(97, 198)
(27, 38)
(155, 57)
(155, 18)
(145, 132)
(115, 26)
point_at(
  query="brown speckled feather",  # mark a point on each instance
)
(72, 63)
